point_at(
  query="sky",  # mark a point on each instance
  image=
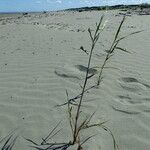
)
(50, 5)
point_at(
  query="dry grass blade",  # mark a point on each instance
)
(118, 31)
(99, 24)
(50, 146)
(73, 100)
(45, 140)
(89, 30)
(113, 137)
(50, 135)
(94, 125)
(87, 139)
(124, 50)
(29, 140)
(71, 119)
(124, 37)
(90, 76)
(53, 146)
(9, 143)
(85, 51)
(95, 38)
(96, 67)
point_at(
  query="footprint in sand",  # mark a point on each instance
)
(132, 84)
(126, 110)
(129, 100)
(67, 71)
(135, 100)
(131, 80)
(131, 106)
(73, 72)
(126, 104)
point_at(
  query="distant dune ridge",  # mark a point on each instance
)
(41, 57)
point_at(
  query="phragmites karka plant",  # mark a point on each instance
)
(8, 142)
(77, 123)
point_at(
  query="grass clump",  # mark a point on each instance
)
(8, 142)
(110, 52)
(74, 110)
(77, 125)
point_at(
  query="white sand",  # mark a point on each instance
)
(39, 55)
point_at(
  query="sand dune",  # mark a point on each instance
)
(40, 58)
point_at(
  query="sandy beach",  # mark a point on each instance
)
(40, 58)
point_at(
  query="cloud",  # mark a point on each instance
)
(54, 1)
(88, 2)
(38, 2)
(115, 2)
(59, 1)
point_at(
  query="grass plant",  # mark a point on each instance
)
(8, 142)
(110, 52)
(78, 125)
(114, 46)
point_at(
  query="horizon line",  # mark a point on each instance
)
(38, 11)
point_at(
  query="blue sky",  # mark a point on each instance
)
(41, 5)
